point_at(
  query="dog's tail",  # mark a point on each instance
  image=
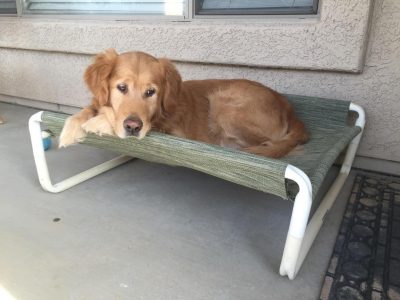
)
(296, 135)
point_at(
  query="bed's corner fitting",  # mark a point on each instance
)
(353, 145)
(292, 258)
(360, 122)
(361, 114)
(41, 163)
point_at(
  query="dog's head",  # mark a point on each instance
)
(139, 87)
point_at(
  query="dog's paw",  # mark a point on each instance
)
(98, 125)
(72, 133)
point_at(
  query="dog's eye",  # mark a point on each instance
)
(149, 92)
(122, 88)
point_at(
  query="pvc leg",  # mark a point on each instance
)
(41, 163)
(301, 236)
(298, 222)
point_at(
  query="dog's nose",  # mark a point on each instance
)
(133, 125)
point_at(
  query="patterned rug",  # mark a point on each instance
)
(365, 263)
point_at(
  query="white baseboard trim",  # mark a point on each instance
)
(39, 104)
(377, 165)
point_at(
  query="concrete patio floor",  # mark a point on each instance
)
(142, 231)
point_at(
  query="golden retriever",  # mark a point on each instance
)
(135, 92)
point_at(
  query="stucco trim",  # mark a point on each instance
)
(335, 40)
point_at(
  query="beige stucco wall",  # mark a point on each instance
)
(55, 76)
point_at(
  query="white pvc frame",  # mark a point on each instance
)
(301, 233)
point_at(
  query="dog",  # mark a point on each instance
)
(135, 92)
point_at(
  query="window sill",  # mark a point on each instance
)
(334, 41)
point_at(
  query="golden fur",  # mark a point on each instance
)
(135, 92)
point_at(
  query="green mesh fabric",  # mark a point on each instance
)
(325, 120)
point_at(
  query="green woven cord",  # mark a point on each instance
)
(250, 170)
(324, 119)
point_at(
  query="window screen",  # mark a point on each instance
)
(139, 7)
(255, 7)
(8, 7)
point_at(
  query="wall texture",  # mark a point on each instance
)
(280, 42)
(57, 77)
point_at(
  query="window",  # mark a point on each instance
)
(137, 7)
(255, 7)
(8, 7)
(177, 8)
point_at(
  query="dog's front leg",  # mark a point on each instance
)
(72, 131)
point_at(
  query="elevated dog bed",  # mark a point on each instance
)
(296, 177)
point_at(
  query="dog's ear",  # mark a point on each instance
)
(172, 88)
(97, 75)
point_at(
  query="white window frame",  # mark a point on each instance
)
(198, 12)
(190, 12)
(335, 39)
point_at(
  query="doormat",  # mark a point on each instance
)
(365, 263)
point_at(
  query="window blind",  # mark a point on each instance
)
(8, 7)
(139, 7)
(262, 7)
